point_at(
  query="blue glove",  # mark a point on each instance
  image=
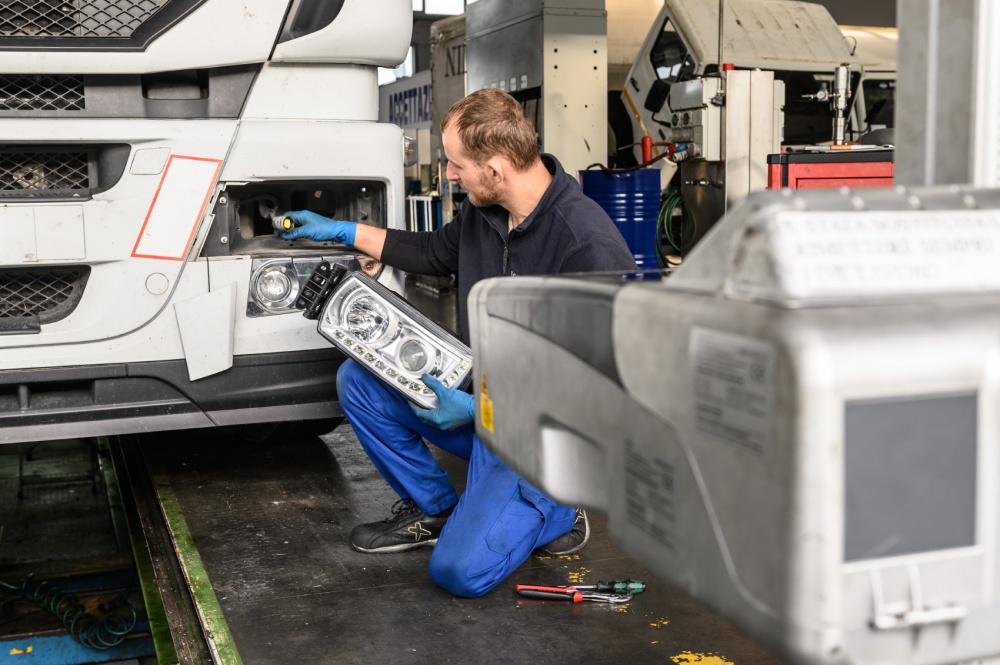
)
(317, 227)
(454, 406)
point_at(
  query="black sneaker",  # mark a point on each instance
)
(406, 529)
(570, 542)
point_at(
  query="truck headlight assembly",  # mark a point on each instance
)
(384, 333)
(276, 282)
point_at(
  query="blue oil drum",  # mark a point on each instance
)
(632, 201)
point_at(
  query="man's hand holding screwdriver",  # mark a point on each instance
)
(309, 225)
(313, 226)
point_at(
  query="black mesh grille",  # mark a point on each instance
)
(43, 173)
(41, 93)
(48, 293)
(75, 18)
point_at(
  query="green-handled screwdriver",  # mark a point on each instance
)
(626, 586)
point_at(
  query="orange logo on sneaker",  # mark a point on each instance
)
(418, 531)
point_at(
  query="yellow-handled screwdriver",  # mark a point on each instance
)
(280, 222)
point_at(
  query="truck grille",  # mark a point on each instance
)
(50, 293)
(75, 18)
(44, 173)
(41, 93)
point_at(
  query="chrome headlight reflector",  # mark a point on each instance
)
(366, 319)
(384, 333)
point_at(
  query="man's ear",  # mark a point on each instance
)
(496, 169)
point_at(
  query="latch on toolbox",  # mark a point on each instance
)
(890, 616)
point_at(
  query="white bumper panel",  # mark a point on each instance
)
(53, 233)
(139, 229)
(314, 91)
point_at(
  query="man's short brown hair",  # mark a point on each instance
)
(490, 122)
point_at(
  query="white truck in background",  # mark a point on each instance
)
(143, 146)
(789, 83)
(799, 41)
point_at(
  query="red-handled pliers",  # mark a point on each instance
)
(568, 593)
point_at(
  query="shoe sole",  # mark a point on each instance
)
(402, 547)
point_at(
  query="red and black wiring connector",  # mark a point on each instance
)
(673, 152)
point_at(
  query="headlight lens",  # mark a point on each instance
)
(275, 287)
(367, 319)
(413, 355)
(390, 338)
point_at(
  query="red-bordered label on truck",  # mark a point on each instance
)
(176, 208)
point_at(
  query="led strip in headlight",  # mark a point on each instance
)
(384, 333)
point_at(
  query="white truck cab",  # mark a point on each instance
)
(144, 145)
(799, 41)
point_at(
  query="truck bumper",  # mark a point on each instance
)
(61, 402)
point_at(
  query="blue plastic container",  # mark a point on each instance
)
(632, 200)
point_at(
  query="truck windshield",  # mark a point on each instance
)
(668, 54)
(880, 102)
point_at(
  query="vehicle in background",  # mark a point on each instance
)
(790, 80)
(711, 126)
(144, 149)
(875, 102)
(683, 44)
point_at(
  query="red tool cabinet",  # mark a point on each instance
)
(828, 170)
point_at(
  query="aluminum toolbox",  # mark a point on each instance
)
(799, 427)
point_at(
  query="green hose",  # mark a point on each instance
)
(680, 240)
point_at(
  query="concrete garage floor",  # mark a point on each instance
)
(271, 523)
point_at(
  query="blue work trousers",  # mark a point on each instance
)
(499, 519)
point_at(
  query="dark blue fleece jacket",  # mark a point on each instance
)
(566, 232)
